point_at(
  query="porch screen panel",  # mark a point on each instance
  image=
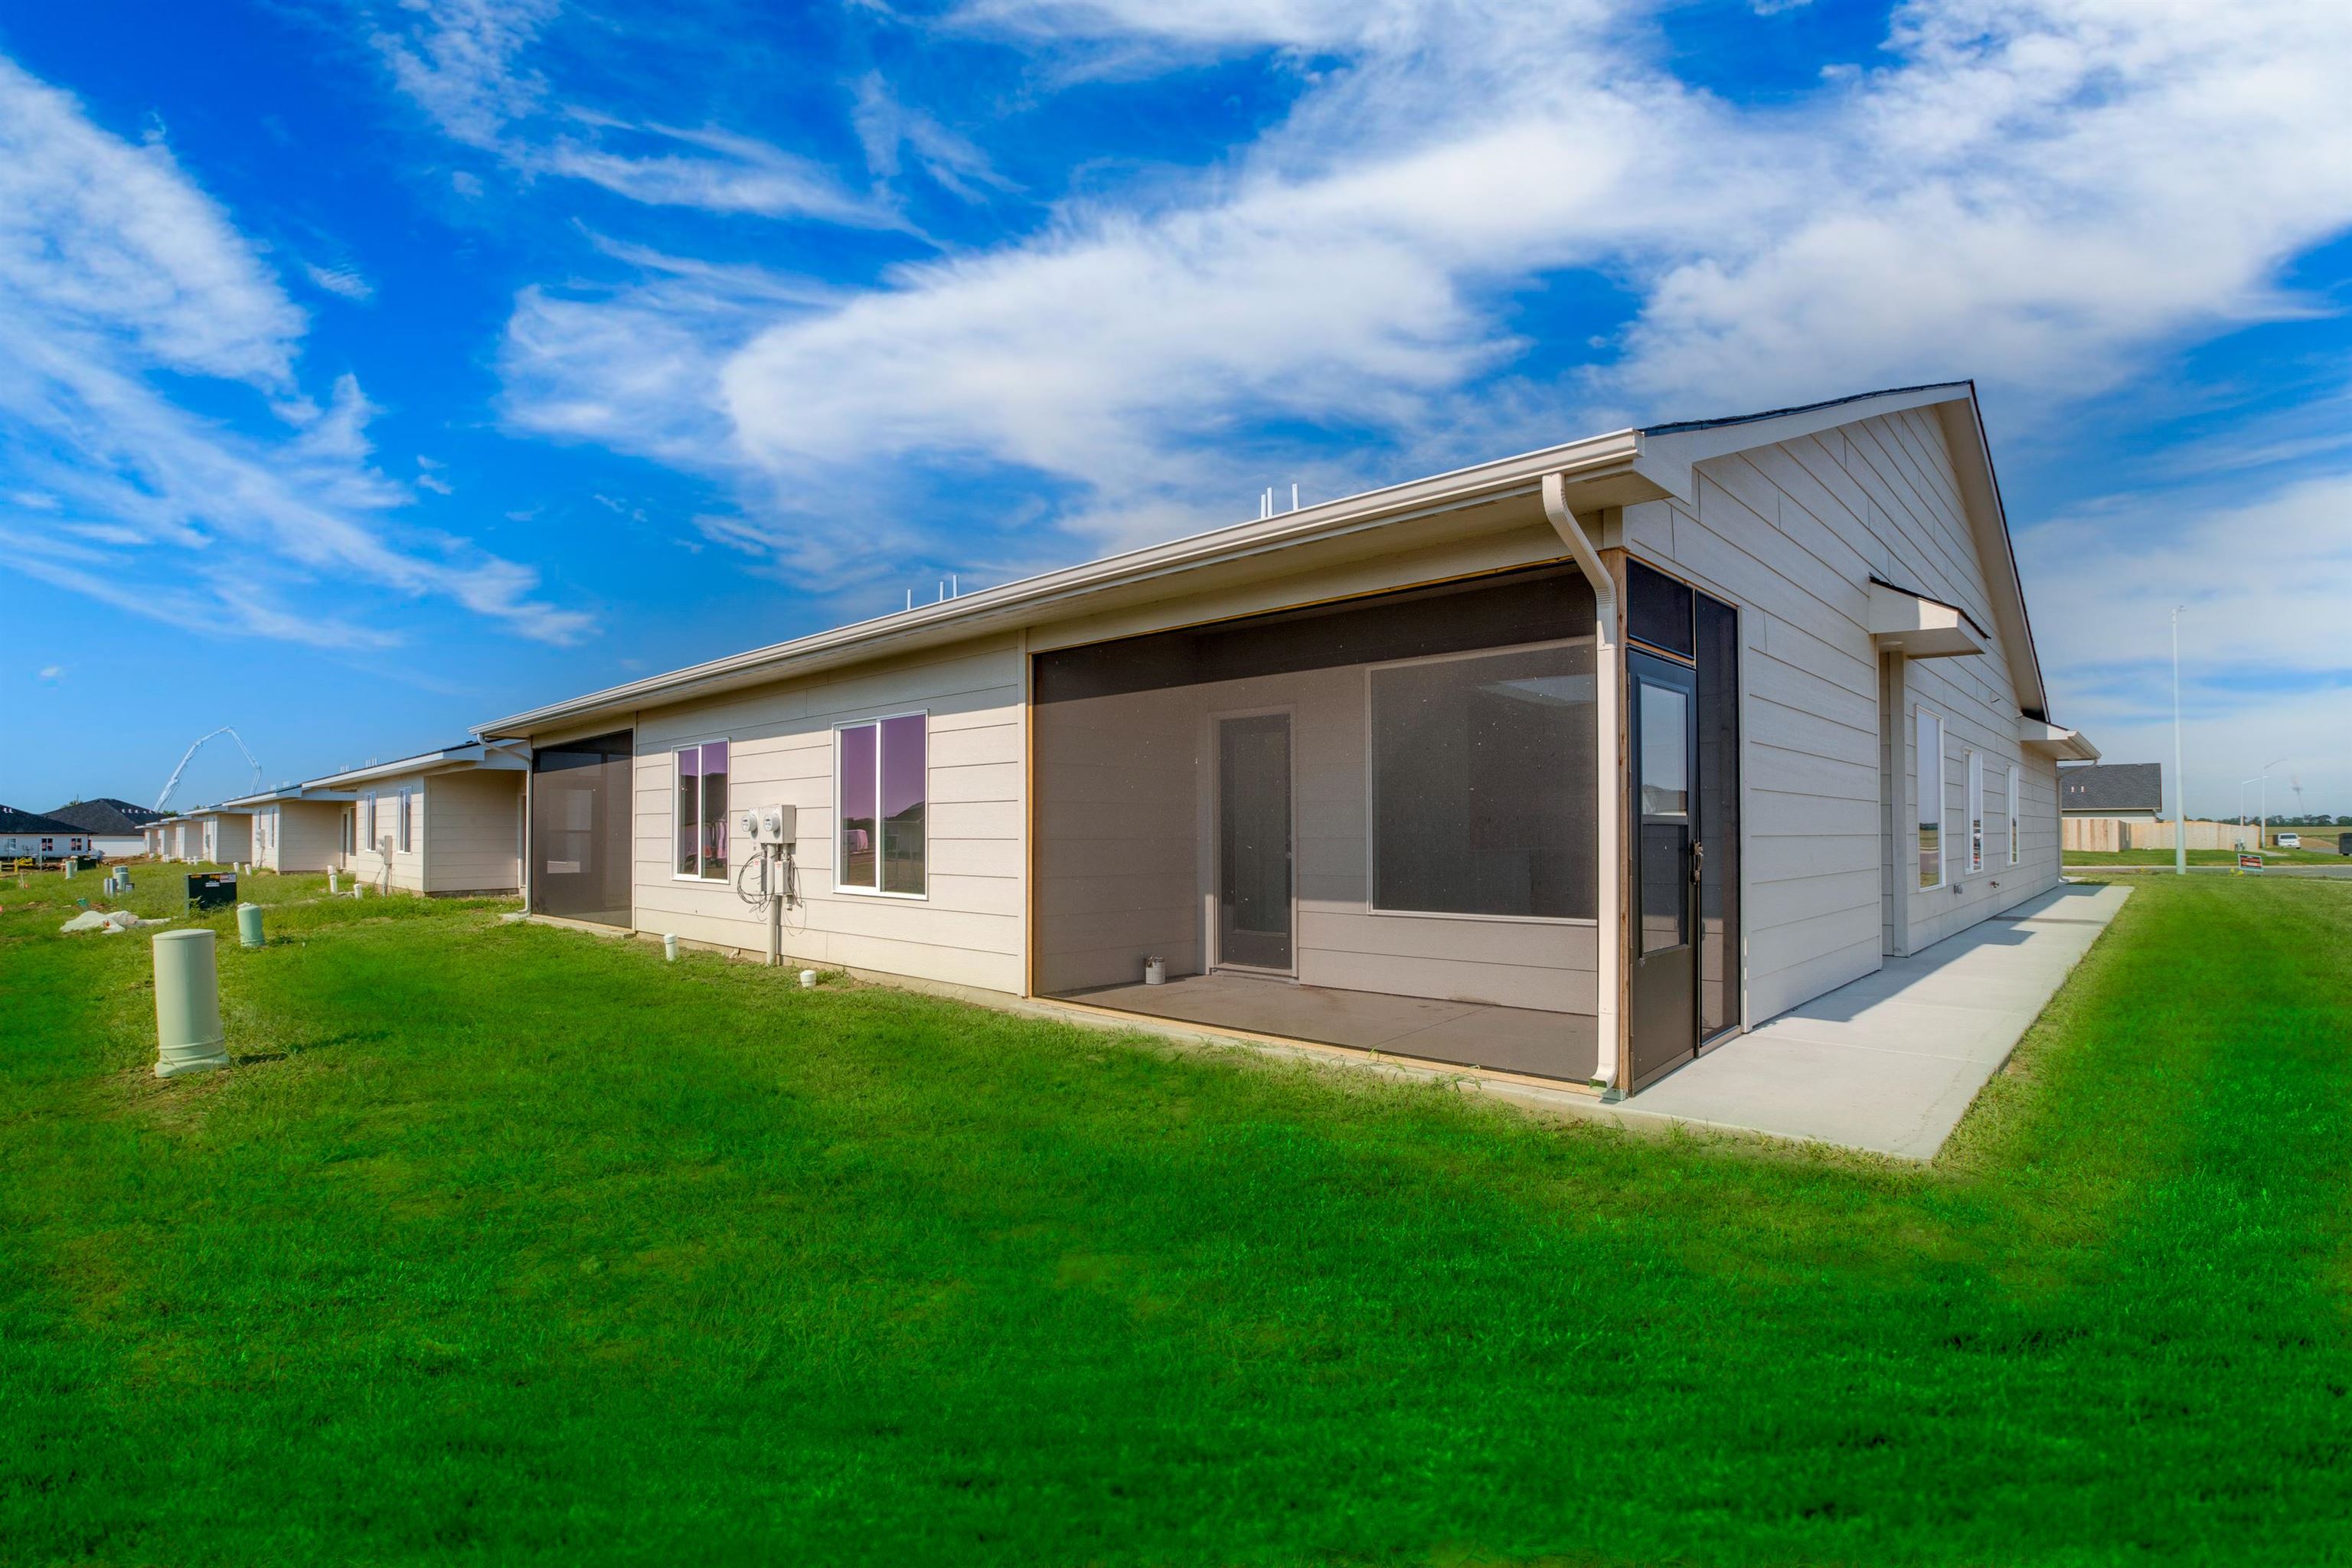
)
(580, 829)
(1483, 783)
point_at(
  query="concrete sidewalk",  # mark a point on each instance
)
(1890, 1062)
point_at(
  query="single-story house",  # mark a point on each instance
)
(116, 828)
(297, 827)
(443, 821)
(2133, 791)
(29, 835)
(1569, 765)
(220, 836)
(178, 838)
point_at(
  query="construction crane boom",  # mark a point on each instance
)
(173, 782)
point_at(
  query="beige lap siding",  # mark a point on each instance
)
(967, 929)
(1794, 532)
(473, 824)
(401, 870)
(309, 837)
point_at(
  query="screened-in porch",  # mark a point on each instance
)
(1368, 824)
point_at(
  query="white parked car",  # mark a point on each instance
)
(2290, 840)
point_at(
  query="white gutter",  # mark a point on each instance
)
(1608, 655)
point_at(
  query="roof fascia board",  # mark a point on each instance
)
(1672, 455)
(1598, 460)
(477, 754)
(1989, 519)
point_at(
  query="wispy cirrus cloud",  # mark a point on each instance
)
(116, 269)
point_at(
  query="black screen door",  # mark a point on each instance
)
(1664, 979)
(580, 830)
(1253, 841)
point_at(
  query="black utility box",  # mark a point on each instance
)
(214, 890)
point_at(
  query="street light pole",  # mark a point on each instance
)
(2179, 779)
(2263, 836)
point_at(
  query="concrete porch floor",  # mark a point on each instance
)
(1889, 1063)
(1470, 1034)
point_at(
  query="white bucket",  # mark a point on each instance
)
(1155, 971)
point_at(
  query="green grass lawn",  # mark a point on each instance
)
(2095, 858)
(506, 1244)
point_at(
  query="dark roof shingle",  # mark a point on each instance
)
(15, 821)
(107, 814)
(2112, 786)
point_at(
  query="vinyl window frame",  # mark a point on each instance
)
(875, 722)
(404, 839)
(1976, 785)
(2011, 801)
(1371, 817)
(700, 876)
(1931, 776)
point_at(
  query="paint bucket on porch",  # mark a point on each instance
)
(1155, 971)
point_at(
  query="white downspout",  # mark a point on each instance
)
(1607, 655)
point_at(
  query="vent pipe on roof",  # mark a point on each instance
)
(1606, 657)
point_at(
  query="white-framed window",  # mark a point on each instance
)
(407, 840)
(882, 780)
(2011, 801)
(699, 829)
(1480, 783)
(367, 821)
(1976, 813)
(1931, 799)
(350, 826)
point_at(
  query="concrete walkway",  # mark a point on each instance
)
(1890, 1062)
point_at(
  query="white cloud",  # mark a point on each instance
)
(2035, 191)
(114, 266)
(457, 60)
(722, 173)
(52, 671)
(346, 280)
(887, 127)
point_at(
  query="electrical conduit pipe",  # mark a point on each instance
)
(1608, 653)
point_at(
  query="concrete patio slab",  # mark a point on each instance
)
(1890, 1063)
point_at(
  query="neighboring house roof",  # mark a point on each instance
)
(2112, 786)
(466, 754)
(23, 822)
(107, 814)
(1615, 470)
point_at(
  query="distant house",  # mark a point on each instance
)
(296, 828)
(449, 821)
(116, 828)
(29, 836)
(219, 836)
(2131, 791)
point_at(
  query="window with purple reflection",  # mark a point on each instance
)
(857, 859)
(902, 792)
(700, 838)
(714, 810)
(689, 807)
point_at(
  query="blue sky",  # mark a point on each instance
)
(368, 370)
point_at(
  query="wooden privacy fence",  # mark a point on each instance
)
(2106, 835)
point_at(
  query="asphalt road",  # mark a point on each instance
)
(2333, 873)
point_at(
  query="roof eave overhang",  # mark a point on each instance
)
(485, 754)
(1609, 471)
(1918, 626)
(2041, 736)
